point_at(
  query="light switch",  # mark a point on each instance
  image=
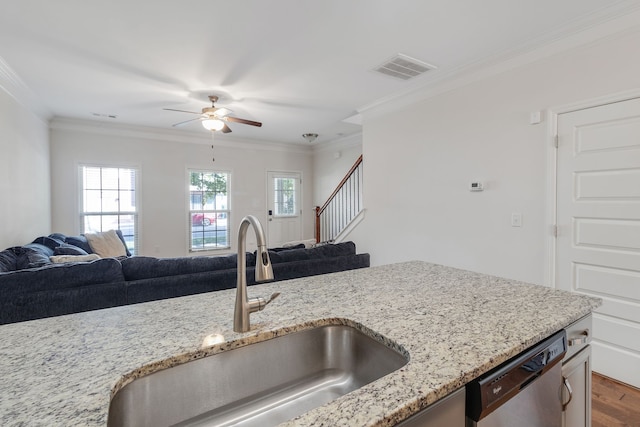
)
(516, 219)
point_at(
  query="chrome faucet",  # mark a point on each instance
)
(245, 306)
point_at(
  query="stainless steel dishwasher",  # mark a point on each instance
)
(522, 392)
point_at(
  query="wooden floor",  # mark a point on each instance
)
(614, 404)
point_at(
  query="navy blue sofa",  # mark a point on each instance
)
(33, 288)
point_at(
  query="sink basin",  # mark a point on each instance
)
(261, 384)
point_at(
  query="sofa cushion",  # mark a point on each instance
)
(144, 290)
(313, 267)
(288, 248)
(324, 251)
(61, 276)
(141, 267)
(57, 302)
(67, 249)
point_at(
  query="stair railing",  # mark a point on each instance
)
(344, 204)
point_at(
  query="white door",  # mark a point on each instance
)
(284, 211)
(598, 217)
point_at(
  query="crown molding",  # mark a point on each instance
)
(13, 85)
(614, 21)
(169, 135)
(343, 143)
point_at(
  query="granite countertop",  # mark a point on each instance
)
(455, 325)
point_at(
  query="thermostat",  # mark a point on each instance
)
(475, 186)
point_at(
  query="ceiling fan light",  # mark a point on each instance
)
(212, 124)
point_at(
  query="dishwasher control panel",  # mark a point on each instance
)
(492, 389)
(556, 350)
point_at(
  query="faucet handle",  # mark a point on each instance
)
(258, 304)
(271, 298)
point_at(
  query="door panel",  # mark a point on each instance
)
(598, 218)
(614, 282)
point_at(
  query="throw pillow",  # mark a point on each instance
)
(106, 244)
(58, 236)
(66, 249)
(60, 259)
(126, 248)
(79, 241)
(34, 257)
(37, 247)
(49, 242)
(9, 259)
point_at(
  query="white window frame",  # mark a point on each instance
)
(223, 213)
(134, 213)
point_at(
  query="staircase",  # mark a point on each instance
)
(342, 208)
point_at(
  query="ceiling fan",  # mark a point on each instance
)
(215, 118)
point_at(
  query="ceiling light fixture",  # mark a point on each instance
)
(310, 136)
(212, 124)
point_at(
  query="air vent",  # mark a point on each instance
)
(404, 67)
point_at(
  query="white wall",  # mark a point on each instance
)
(163, 159)
(331, 162)
(24, 174)
(420, 161)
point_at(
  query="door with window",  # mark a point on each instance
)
(283, 207)
(598, 218)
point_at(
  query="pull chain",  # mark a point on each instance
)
(213, 134)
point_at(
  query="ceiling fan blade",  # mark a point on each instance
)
(243, 121)
(226, 129)
(181, 111)
(185, 122)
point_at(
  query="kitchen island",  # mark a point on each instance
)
(454, 324)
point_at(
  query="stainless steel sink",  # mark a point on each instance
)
(261, 384)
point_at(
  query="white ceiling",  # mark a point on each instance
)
(298, 66)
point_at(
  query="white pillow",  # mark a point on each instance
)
(106, 244)
(60, 259)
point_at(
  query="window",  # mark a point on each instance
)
(208, 210)
(109, 202)
(284, 197)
